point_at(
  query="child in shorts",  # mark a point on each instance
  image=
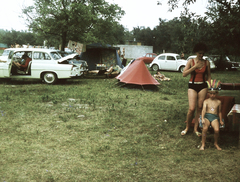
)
(211, 114)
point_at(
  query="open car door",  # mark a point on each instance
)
(5, 68)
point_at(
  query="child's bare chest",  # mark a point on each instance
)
(212, 107)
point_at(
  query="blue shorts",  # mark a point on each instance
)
(211, 117)
(214, 116)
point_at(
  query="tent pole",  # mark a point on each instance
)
(143, 88)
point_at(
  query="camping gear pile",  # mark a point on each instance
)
(161, 77)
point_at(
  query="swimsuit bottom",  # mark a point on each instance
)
(200, 120)
(211, 117)
(197, 87)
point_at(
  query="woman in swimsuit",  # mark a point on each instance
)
(197, 87)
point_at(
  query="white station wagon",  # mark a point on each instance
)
(168, 61)
(45, 64)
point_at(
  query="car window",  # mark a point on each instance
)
(154, 55)
(17, 57)
(5, 52)
(147, 55)
(41, 56)
(161, 58)
(178, 57)
(36, 55)
(55, 55)
(170, 58)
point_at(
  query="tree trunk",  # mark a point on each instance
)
(64, 40)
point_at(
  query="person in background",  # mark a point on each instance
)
(112, 70)
(182, 56)
(199, 69)
(24, 65)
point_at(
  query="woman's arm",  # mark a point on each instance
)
(188, 69)
(26, 63)
(209, 72)
(17, 64)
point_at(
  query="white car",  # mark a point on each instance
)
(168, 61)
(45, 64)
(212, 65)
(6, 52)
(74, 58)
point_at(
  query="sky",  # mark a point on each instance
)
(137, 12)
(147, 12)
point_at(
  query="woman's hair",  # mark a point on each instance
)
(24, 56)
(200, 47)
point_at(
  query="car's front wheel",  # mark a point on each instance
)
(181, 68)
(49, 78)
(155, 67)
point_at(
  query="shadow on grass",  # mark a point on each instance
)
(36, 81)
(229, 139)
(138, 87)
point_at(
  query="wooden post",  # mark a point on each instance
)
(235, 112)
(238, 130)
(236, 121)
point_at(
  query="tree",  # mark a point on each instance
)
(162, 36)
(19, 37)
(143, 35)
(225, 23)
(192, 28)
(79, 20)
(220, 28)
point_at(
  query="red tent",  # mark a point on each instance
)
(137, 73)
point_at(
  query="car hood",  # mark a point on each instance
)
(71, 56)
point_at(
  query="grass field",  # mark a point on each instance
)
(90, 129)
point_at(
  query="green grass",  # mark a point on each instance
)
(94, 130)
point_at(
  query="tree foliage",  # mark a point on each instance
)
(13, 37)
(79, 20)
(176, 35)
(220, 28)
(225, 22)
